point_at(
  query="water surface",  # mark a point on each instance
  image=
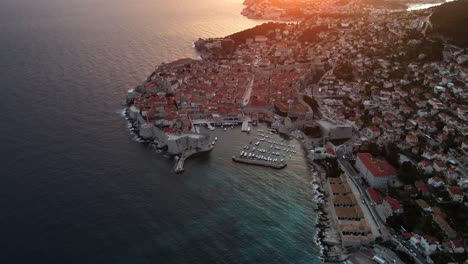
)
(77, 188)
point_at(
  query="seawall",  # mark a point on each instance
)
(179, 166)
(263, 163)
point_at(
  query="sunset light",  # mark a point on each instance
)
(234, 131)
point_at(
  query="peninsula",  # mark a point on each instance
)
(376, 97)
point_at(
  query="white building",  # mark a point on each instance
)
(378, 173)
(429, 244)
(335, 130)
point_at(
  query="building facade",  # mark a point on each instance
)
(378, 173)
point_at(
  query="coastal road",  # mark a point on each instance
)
(409, 249)
(427, 24)
(379, 222)
(360, 191)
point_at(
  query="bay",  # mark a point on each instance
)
(78, 188)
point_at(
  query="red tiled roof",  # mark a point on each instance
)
(421, 187)
(439, 164)
(378, 168)
(430, 239)
(455, 190)
(457, 243)
(256, 102)
(374, 195)
(437, 179)
(393, 203)
(409, 235)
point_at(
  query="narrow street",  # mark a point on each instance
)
(248, 92)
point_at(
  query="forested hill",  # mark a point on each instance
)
(451, 20)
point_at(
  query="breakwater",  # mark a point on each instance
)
(259, 162)
(179, 167)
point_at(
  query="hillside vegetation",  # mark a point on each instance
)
(451, 20)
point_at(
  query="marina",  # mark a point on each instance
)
(267, 149)
(108, 188)
(257, 162)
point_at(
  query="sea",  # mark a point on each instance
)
(419, 6)
(77, 186)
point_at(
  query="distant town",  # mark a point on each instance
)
(377, 99)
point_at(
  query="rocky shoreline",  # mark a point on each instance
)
(213, 49)
(328, 252)
(160, 146)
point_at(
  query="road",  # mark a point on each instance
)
(411, 250)
(369, 205)
(349, 170)
(427, 24)
(372, 218)
(461, 166)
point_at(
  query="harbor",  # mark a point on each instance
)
(179, 166)
(264, 163)
(265, 149)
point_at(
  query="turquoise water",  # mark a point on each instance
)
(77, 187)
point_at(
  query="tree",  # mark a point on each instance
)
(374, 149)
(408, 173)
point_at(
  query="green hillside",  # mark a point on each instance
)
(451, 20)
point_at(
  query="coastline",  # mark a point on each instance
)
(318, 176)
(259, 163)
(316, 173)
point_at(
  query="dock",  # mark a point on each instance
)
(245, 124)
(263, 163)
(179, 168)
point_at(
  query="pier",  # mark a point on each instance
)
(259, 162)
(245, 125)
(179, 166)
